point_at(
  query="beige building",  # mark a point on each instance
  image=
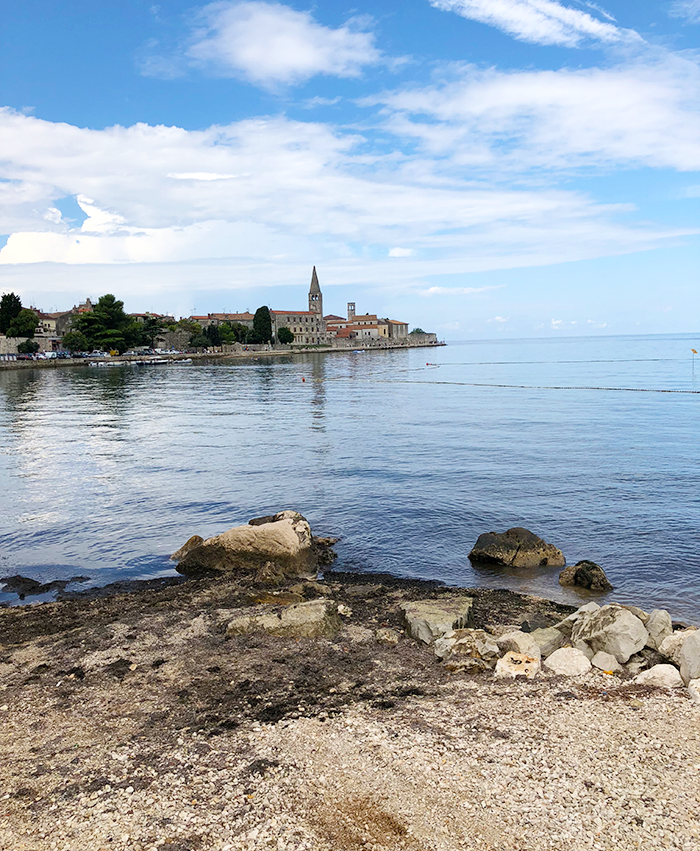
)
(308, 326)
(365, 326)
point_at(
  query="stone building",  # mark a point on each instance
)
(365, 326)
(308, 326)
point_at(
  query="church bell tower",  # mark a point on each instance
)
(315, 296)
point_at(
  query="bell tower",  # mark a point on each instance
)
(315, 296)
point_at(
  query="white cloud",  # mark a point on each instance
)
(457, 290)
(538, 21)
(201, 175)
(271, 44)
(401, 252)
(688, 9)
(499, 319)
(638, 113)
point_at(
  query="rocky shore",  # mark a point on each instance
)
(210, 715)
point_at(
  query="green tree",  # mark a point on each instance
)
(27, 347)
(150, 328)
(75, 341)
(24, 324)
(107, 326)
(213, 335)
(10, 306)
(418, 331)
(284, 335)
(262, 325)
(199, 341)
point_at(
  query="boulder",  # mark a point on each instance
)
(585, 574)
(663, 676)
(670, 647)
(566, 626)
(606, 662)
(611, 629)
(548, 640)
(659, 627)
(280, 547)
(516, 547)
(187, 547)
(636, 611)
(568, 662)
(694, 691)
(519, 642)
(427, 620)
(517, 665)
(314, 619)
(690, 657)
(584, 648)
(469, 650)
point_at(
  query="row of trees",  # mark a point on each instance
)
(108, 328)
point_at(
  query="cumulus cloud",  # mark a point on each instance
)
(642, 112)
(458, 290)
(271, 44)
(544, 22)
(401, 252)
(687, 9)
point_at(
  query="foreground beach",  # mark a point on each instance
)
(132, 721)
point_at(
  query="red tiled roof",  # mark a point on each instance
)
(294, 312)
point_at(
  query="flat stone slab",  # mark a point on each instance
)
(314, 619)
(427, 620)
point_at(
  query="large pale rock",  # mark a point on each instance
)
(690, 657)
(189, 545)
(516, 547)
(585, 574)
(548, 640)
(663, 676)
(469, 650)
(517, 665)
(568, 662)
(427, 620)
(584, 648)
(670, 647)
(566, 626)
(659, 627)
(612, 629)
(281, 546)
(314, 619)
(519, 642)
(606, 662)
(694, 691)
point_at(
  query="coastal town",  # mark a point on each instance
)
(103, 328)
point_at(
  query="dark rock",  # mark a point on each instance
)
(25, 587)
(585, 574)
(516, 547)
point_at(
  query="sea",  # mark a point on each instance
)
(406, 455)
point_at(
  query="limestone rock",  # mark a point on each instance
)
(519, 642)
(548, 640)
(606, 662)
(282, 546)
(427, 620)
(612, 629)
(584, 648)
(469, 650)
(663, 676)
(659, 627)
(585, 574)
(637, 612)
(566, 626)
(690, 657)
(670, 647)
(516, 547)
(694, 691)
(635, 664)
(313, 619)
(568, 662)
(517, 665)
(187, 547)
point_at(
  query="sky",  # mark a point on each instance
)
(477, 168)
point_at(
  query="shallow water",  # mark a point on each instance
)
(106, 472)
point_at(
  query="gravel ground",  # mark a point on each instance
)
(131, 722)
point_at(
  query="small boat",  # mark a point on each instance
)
(181, 360)
(358, 351)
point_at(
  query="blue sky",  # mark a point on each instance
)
(479, 168)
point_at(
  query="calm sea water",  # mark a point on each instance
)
(106, 472)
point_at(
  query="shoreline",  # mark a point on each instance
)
(140, 722)
(55, 363)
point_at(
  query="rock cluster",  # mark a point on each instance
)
(615, 639)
